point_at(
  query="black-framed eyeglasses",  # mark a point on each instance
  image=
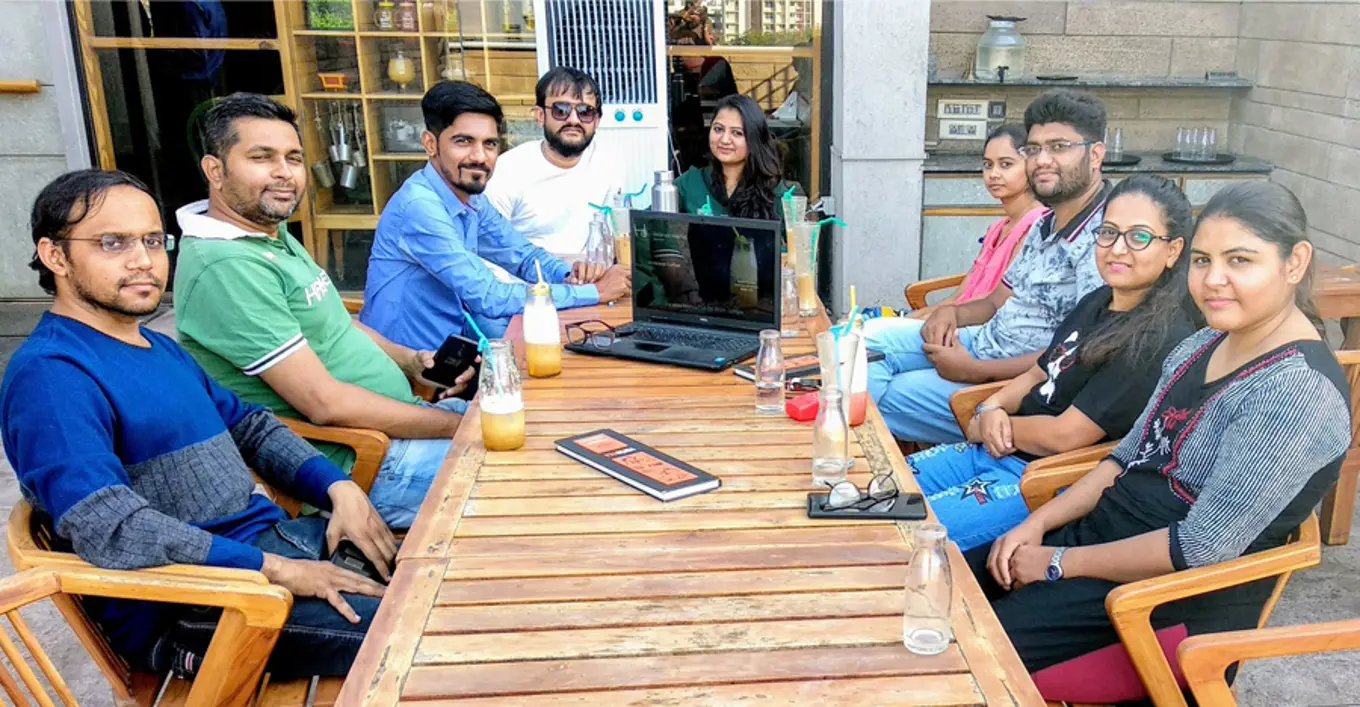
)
(1055, 148)
(1134, 238)
(115, 244)
(592, 332)
(585, 112)
(878, 498)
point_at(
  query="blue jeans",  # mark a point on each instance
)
(976, 496)
(316, 639)
(407, 472)
(911, 396)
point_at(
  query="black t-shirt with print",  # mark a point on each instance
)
(1112, 393)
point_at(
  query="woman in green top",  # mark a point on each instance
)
(743, 171)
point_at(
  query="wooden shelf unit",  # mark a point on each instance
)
(507, 72)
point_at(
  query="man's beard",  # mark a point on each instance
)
(258, 209)
(1071, 183)
(118, 304)
(564, 148)
(467, 186)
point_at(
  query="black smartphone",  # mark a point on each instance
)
(349, 556)
(454, 356)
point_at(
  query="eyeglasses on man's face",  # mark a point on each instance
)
(561, 110)
(1056, 148)
(115, 244)
(1134, 238)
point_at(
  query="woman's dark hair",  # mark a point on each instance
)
(1274, 214)
(65, 202)
(1142, 333)
(449, 99)
(1015, 131)
(754, 195)
(1083, 111)
(219, 129)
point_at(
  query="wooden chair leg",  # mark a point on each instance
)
(232, 680)
(1339, 505)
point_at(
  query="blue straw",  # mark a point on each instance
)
(482, 343)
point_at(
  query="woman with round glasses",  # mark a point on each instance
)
(1244, 434)
(1091, 382)
(742, 177)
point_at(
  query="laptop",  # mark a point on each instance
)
(703, 289)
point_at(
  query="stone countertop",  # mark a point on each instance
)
(1151, 162)
(1104, 81)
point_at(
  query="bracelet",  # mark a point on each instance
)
(984, 407)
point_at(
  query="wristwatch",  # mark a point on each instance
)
(1055, 570)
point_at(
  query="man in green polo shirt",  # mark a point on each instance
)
(264, 320)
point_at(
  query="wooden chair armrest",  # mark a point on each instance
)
(370, 446)
(965, 400)
(1042, 486)
(1204, 659)
(1130, 606)
(916, 292)
(1086, 456)
(1348, 357)
(353, 305)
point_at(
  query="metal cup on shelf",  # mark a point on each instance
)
(349, 176)
(323, 176)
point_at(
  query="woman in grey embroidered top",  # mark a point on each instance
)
(1243, 436)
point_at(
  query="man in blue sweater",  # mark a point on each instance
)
(141, 460)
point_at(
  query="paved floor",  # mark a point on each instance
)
(1324, 593)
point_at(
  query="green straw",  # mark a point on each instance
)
(707, 208)
(817, 232)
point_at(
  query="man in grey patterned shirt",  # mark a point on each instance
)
(1000, 336)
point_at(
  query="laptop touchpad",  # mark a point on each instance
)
(650, 346)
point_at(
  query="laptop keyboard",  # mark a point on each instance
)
(687, 337)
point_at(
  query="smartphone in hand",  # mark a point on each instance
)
(349, 556)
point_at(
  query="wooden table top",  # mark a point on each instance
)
(530, 579)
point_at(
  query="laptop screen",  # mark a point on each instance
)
(706, 270)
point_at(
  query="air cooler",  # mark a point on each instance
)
(622, 44)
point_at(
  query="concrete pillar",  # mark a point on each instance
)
(877, 147)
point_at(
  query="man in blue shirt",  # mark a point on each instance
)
(141, 460)
(426, 264)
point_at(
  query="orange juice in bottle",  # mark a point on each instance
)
(500, 398)
(542, 331)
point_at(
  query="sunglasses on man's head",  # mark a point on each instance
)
(585, 112)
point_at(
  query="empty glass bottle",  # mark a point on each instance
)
(929, 589)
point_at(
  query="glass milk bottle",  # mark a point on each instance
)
(929, 590)
(853, 347)
(745, 274)
(831, 439)
(843, 362)
(769, 375)
(623, 243)
(500, 399)
(542, 332)
(606, 239)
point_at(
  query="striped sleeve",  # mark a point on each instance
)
(1286, 428)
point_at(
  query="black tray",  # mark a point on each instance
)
(1222, 158)
(909, 506)
(1125, 161)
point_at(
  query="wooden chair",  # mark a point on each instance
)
(252, 615)
(1205, 658)
(916, 292)
(1130, 606)
(231, 670)
(963, 403)
(1339, 505)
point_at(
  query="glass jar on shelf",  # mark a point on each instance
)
(406, 17)
(385, 17)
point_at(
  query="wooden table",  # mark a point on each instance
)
(530, 579)
(1336, 293)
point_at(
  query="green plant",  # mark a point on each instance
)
(330, 14)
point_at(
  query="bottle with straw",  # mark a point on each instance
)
(803, 253)
(542, 331)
